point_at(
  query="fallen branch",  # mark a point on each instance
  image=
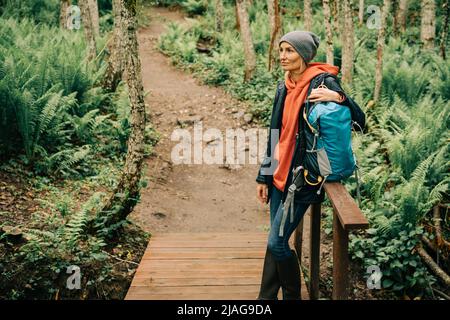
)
(433, 266)
(117, 258)
(429, 244)
(442, 294)
(440, 241)
(437, 225)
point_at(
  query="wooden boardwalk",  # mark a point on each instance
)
(201, 266)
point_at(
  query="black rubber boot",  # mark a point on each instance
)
(270, 283)
(289, 274)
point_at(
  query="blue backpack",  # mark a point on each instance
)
(329, 155)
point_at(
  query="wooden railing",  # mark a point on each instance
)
(346, 216)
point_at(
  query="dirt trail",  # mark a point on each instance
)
(191, 198)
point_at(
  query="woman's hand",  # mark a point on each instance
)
(324, 94)
(262, 191)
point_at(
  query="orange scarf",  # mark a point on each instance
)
(296, 95)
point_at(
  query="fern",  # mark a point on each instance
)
(75, 228)
(65, 161)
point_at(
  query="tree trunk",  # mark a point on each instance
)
(361, 12)
(348, 42)
(65, 4)
(219, 16)
(127, 192)
(307, 14)
(116, 60)
(380, 47)
(444, 34)
(275, 31)
(401, 15)
(336, 13)
(236, 13)
(328, 31)
(93, 8)
(444, 277)
(428, 24)
(246, 35)
(88, 29)
(394, 6)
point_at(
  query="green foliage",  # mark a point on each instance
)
(50, 109)
(41, 263)
(38, 84)
(168, 3)
(76, 226)
(66, 161)
(402, 270)
(399, 194)
(39, 11)
(54, 238)
(195, 7)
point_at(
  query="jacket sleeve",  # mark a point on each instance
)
(358, 115)
(267, 162)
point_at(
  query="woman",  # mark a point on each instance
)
(296, 49)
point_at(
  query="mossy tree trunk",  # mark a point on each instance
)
(348, 41)
(88, 28)
(428, 24)
(65, 4)
(401, 14)
(328, 31)
(273, 7)
(246, 36)
(116, 61)
(219, 16)
(93, 8)
(380, 48)
(127, 192)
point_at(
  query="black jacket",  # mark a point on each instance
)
(308, 194)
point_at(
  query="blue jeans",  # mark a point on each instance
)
(279, 246)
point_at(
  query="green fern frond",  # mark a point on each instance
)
(419, 175)
(75, 228)
(437, 194)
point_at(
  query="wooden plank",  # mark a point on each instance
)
(208, 244)
(314, 256)
(198, 289)
(201, 268)
(346, 208)
(210, 235)
(340, 260)
(183, 263)
(204, 271)
(202, 253)
(183, 294)
(204, 274)
(190, 249)
(201, 296)
(190, 296)
(203, 281)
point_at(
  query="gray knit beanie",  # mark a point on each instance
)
(304, 42)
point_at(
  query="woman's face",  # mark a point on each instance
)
(289, 58)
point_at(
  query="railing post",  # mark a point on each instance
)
(298, 243)
(340, 260)
(314, 256)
